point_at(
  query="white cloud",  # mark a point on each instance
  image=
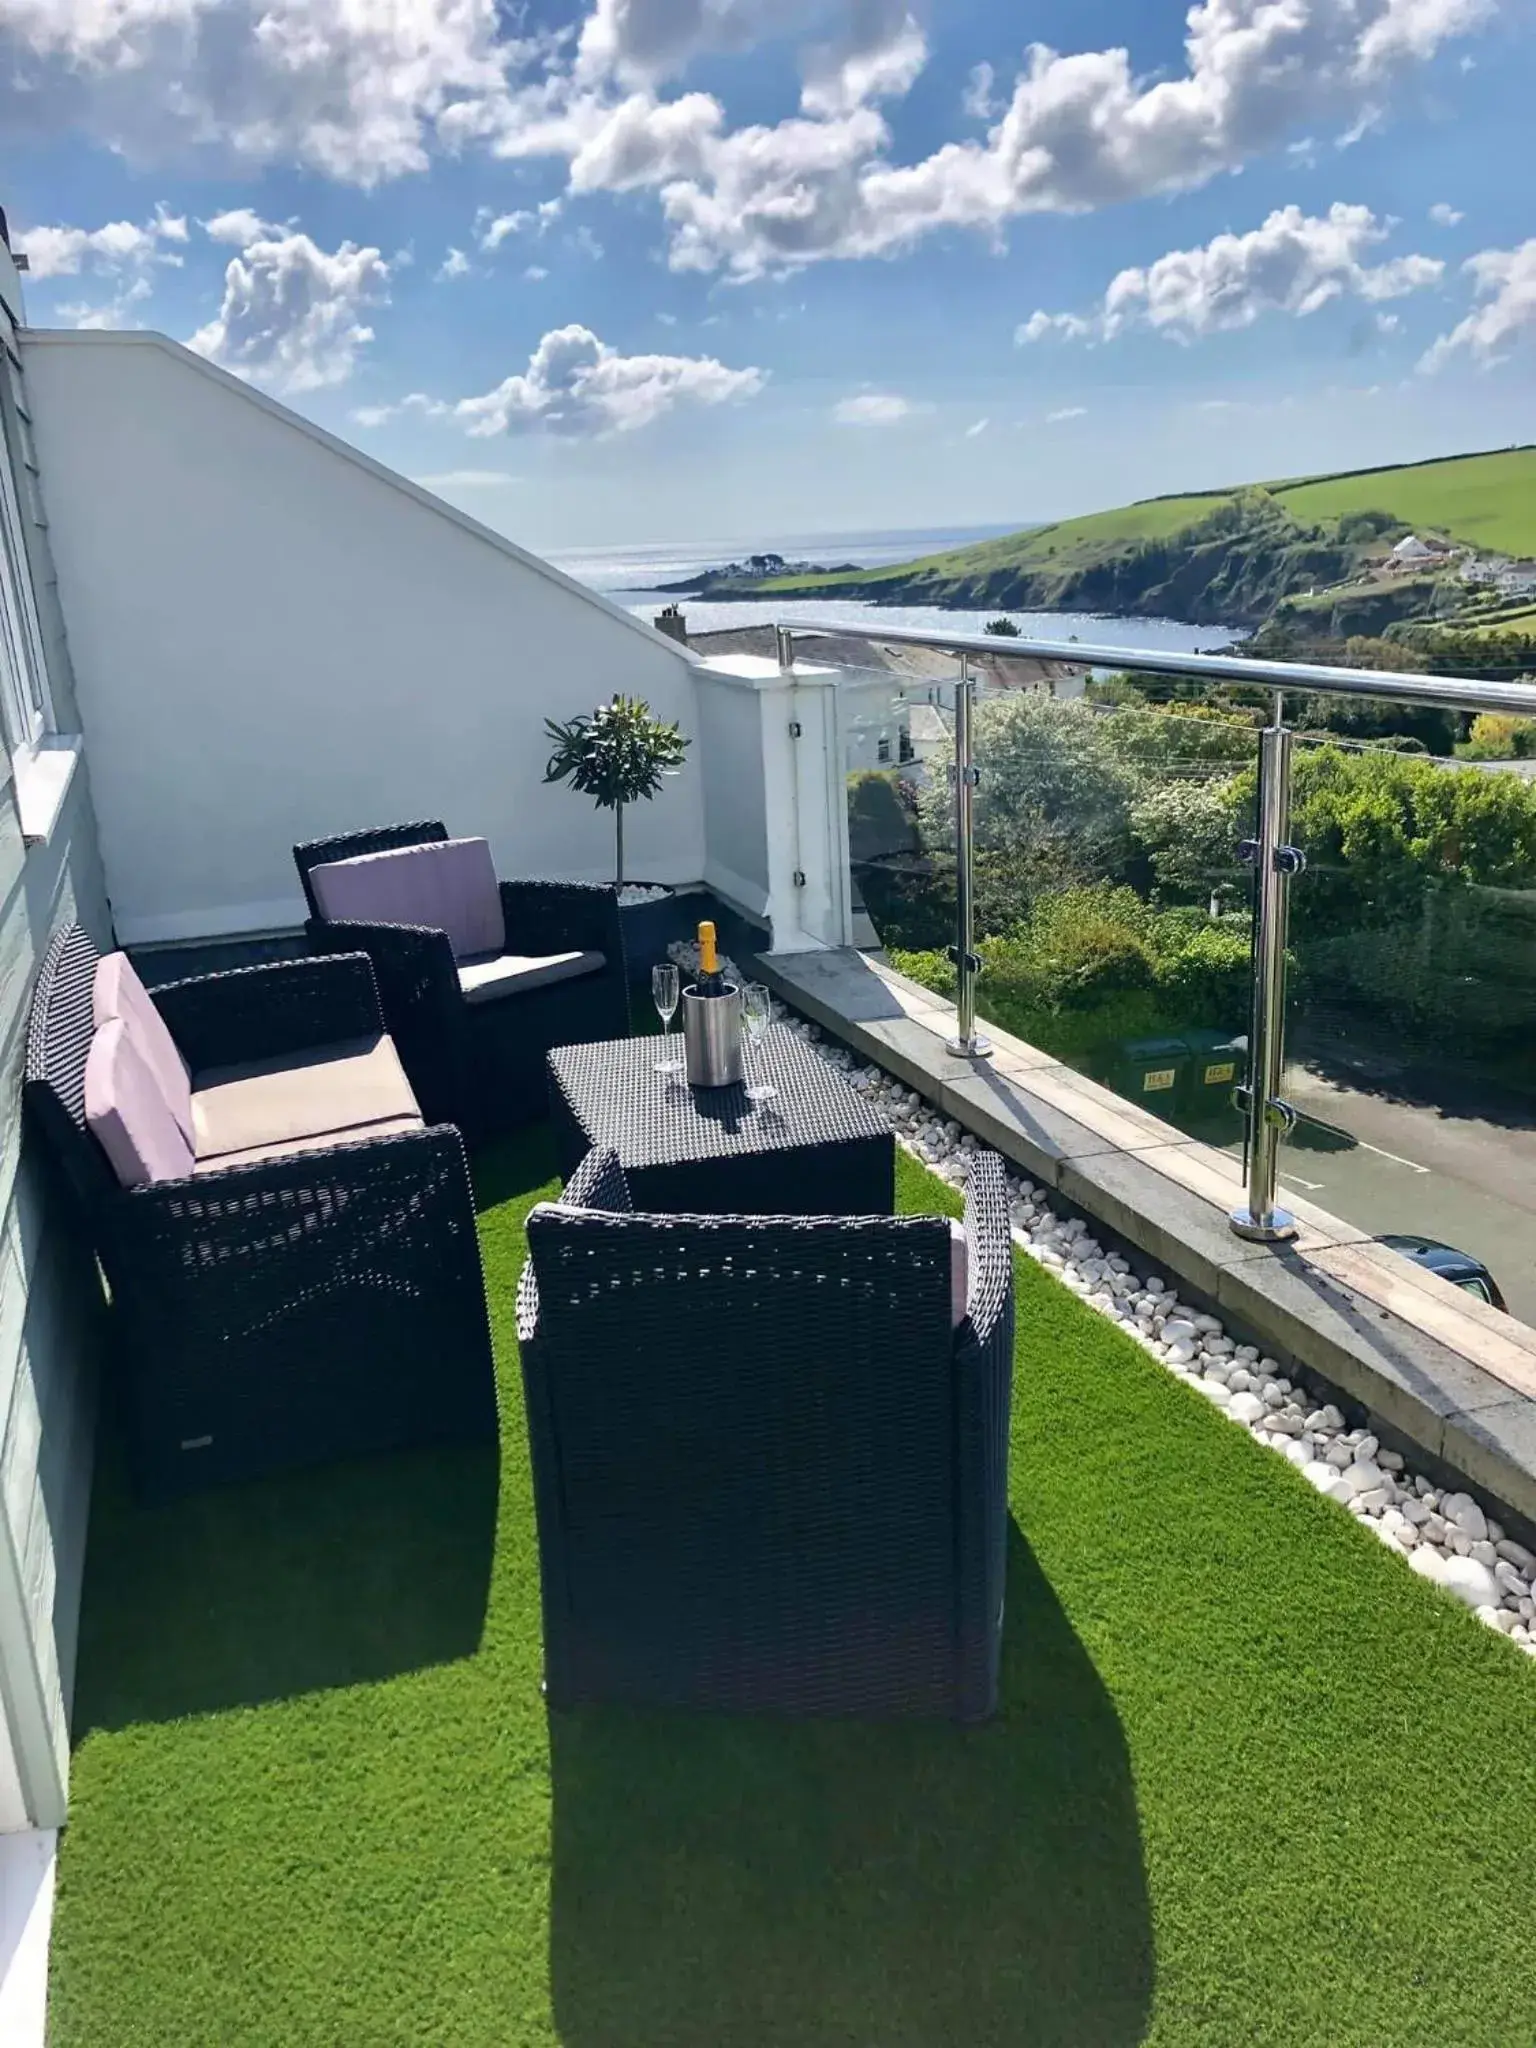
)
(776, 197)
(239, 225)
(1079, 132)
(1505, 279)
(111, 313)
(646, 142)
(122, 246)
(876, 53)
(1066, 412)
(1444, 215)
(1295, 263)
(355, 91)
(413, 401)
(491, 230)
(454, 264)
(467, 479)
(978, 100)
(871, 409)
(858, 49)
(577, 385)
(977, 427)
(535, 273)
(1066, 326)
(291, 314)
(366, 92)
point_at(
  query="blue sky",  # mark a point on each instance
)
(740, 268)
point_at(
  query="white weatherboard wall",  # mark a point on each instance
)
(50, 1306)
(275, 639)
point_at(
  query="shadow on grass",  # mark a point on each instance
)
(854, 1885)
(338, 1576)
(512, 1167)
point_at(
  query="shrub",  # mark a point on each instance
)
(879, 824)
(1209, 976)
(1495, 737)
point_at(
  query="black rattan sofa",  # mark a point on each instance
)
(292, 1309)
(480, 1064)
(770, 1472)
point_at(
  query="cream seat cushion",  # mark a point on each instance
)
(334, 1093)
(493, 975)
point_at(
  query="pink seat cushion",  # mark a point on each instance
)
(449, 885)
(118, 996)
(126, 1108)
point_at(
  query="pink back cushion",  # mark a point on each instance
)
(126, 1108)
(118, 996)
(449, 885)
(959, 1273)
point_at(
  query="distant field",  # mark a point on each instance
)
(1487, 500)
(1523, 621)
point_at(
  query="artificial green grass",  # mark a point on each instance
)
(1252, 1782)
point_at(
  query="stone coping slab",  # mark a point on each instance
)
(1439, 1368)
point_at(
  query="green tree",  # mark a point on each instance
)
(1053, 789)
(617, 755)
(1189, 832)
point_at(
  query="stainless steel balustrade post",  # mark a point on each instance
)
(966, 1041)
(1268, 1116)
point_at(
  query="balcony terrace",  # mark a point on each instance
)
(1257, 1773)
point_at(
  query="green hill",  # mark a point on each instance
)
(1224, 556)
(1488, 500)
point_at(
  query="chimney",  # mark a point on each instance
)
(673, 624)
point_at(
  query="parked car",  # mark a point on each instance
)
(1460, 1268)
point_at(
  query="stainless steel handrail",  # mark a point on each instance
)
(1275, 861)
(1447, 693)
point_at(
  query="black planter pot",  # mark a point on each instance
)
(650, 928)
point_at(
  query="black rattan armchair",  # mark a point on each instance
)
(287, 1311)
(480, 1065)
(770, 1474)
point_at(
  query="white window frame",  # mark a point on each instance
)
(23, 685)
(26, 707)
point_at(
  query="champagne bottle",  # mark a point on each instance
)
(711, 981)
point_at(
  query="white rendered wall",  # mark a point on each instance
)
(275, 639)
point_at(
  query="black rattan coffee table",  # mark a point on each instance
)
(814, 1149)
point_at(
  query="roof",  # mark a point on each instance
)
(1411, 549)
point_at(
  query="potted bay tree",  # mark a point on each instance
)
(619, 755)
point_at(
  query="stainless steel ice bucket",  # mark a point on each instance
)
(712, 1037)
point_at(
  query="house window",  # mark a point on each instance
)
(883, 749)
(24, 706)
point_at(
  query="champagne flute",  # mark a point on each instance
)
(666, 989)
(756, 1016)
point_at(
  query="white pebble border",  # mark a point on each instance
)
(633, 894)
(1446, 1537)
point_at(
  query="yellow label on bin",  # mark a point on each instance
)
(1227, 1071)
(1158, 1077)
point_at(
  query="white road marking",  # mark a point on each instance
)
(1396, 1157)
(1312, 1187)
